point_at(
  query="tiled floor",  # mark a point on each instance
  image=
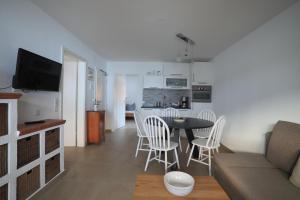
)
(107, 171)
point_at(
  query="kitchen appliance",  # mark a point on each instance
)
(201, 93)
(184, 102)
(174, 82)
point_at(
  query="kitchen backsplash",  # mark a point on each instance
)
(152, 96)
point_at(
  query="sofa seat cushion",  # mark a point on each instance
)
(241, 160)
(284, 145)
(261, 183)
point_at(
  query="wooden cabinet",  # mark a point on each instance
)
(23, 151)
(153, 81)
(95, 127)
(3, 119)
(202, 73)
(177, 69)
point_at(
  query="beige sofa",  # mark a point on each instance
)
(262, 177)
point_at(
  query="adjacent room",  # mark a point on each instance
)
(144, 100)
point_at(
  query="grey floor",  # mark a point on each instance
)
(107, 171)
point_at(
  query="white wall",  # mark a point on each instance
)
(25, 25)
(257, 81)
(132, 86)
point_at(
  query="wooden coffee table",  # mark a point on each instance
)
(151, 187)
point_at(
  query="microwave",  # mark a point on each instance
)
(176, 82)
(201, 93)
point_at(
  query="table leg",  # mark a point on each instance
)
(190, 136)
(175, 139)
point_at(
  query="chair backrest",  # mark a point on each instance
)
(138, 118)
(215, 135)
(207, 115)
(157, 132)
(170, 112)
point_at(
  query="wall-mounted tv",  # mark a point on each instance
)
(34, 72)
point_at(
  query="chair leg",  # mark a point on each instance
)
(187, 148)
(177, 160)
(209, 162)
(180, 147)
(138, 147)
(149, 154)
(201, 152)
(159, 156)
(191, 153)
(166, 161)
(142, 143)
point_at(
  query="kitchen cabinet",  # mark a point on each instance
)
(202, 73)
(158, 111)
(153, 81)
(176, 69)
(185, 113)
(176, 82)
(151, 111)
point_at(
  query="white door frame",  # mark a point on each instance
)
(80, 97)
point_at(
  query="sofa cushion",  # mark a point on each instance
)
(284, 145)
(260, 183)
(242, 160)
(295, 177)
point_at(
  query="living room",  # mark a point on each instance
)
(246, 52)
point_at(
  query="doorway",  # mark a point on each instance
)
(132, 98)
(119, 101)
(73, 99)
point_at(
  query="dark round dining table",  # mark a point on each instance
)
(188, 124)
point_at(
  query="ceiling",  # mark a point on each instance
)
(144, 30)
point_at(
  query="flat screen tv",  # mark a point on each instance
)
(34, 72)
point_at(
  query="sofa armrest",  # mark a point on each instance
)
(267, 137)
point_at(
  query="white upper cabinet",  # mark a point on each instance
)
(176, 69)
(202, 73)
(153, 81)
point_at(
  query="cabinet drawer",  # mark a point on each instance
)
(52, 140)
(4, 192)
(28, 150)
(28, 183)
(52, 167)
(3, 160)
(3, 119)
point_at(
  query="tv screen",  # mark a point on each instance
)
(34, 72)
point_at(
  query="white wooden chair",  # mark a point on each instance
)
(208, 145)
(174, 113)
(204, 132)
(141, 146)
(170, 112)
(158, 134)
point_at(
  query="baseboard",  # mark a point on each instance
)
(226, 149)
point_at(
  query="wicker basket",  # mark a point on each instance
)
(52, 167)
(4, 192)
(51, 140)
(3, 119)
(28, 150)
(28, 183)
(3, 160)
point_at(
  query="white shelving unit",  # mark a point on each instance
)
(11, 139)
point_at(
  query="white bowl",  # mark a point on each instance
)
(179, 183)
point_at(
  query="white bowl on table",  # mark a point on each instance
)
(179, 183)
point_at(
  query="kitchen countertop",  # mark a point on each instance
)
(155, 107)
